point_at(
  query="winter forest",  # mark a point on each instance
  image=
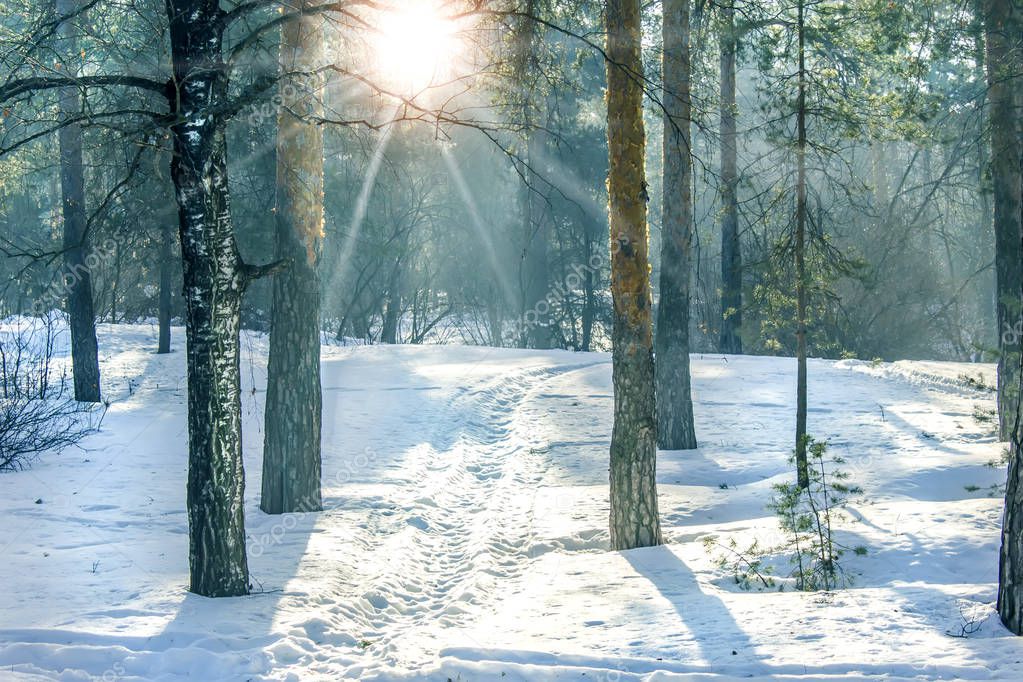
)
(479, 340)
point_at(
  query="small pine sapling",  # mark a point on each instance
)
(806, 516)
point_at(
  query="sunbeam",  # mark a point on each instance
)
(481, 230)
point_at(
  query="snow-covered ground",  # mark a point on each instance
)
(464, 536)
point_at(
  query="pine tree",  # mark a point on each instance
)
(1003, 90)
(76, 275)
(730, 336)
(675, 427)
(1004, 29)
(291, 448)
(634, 518)
(802, 279)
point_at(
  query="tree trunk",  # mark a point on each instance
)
(634, 518)
(213, 283)
(291, 449)
(534, 276)
(1003, 80)
(537, 269)
(675, 427)
(77, 277)
(1004, 29)
(803, 477)
(494, 321)
(164, 312)
(589, 302)
(730, 338)
(392, 307)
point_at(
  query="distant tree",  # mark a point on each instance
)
(730, 334)
(675, 426)
(634, 517)
(802, 281)
(534, 272)
(168, 244)
(77, 276)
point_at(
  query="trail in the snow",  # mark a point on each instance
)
(465, 526)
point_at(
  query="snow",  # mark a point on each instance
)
(464, 532)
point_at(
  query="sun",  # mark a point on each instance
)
(416, 45)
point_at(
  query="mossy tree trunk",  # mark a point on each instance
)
(634, 518)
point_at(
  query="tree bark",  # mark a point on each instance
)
(1003, 63)
(291, 448)
(802, 474)
(1004, 32)
(77, 276)
(392, 306)
(164, 311)
(534, 275)
(730, 337)
(675, 427)
(634, 518)
(589, 303)
(213, 283)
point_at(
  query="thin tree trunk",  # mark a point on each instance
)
(494, 319)
(675, 427)
(392, 307)
(291, 449)
(166, 295)
(76, 275)
(803, 476)
(1003, 81)
(730, 338)
(115, 283)
(634, 518)
(534, 275)
(213, 283)
(589, 303)
(1004, 30)
(536, 267)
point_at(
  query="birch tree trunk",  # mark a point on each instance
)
(214, 279)
(634, 517)
(291, 448)
(675, 427)
(76, 275)
(730, 338)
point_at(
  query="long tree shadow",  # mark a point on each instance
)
(722, 642)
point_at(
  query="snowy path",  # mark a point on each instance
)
(464, 535)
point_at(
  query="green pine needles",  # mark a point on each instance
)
(807, 517)
(808, 557)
